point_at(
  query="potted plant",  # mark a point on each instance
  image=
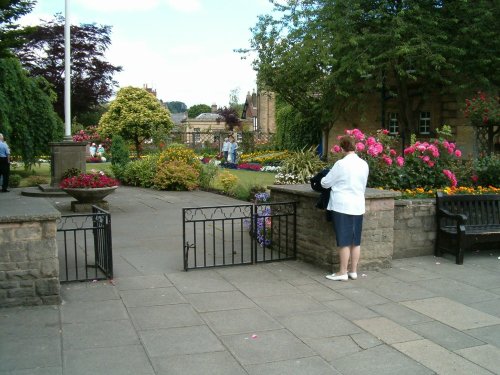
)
(89, 187)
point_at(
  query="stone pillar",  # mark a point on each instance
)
(315, 237)
(29, 264)
(66, 155)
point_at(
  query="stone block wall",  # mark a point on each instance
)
(315, 237)
(29, 265)
(414, 227)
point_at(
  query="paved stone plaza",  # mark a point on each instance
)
(425, 315)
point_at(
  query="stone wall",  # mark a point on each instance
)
(316, 239)
(29, 265)
(414, 227)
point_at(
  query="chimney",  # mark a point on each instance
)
(214, 108)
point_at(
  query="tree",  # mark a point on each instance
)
(91, 76)
(323, 57)
(230, 117)
(176, 107)
(198, 109)
(137, 116)
(233, 100)
(11, 35)
(27, 117)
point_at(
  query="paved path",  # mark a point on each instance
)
(426, 315)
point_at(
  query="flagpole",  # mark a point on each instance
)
(67, 73)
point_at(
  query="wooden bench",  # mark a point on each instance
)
(464, 221)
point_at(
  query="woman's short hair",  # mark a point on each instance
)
(347, 143)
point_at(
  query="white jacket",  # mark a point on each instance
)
(347, 178)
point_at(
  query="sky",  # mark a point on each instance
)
(184, 49)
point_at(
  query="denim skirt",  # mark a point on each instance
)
(347, 229)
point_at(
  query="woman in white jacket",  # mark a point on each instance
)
(347, 179)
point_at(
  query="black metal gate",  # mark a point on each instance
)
(85, 246)
(240, 234)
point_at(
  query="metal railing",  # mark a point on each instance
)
(85, 246)
(239, 234)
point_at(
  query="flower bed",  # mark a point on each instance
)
(88, 181)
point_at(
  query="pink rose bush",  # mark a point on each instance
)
(428, 165)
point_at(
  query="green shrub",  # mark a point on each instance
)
(139, 172)
(37, 180)
(487, 170)
(14, 180)
(303, 165)
(207, 174)
(120, 154)
(227, 181)
(72, 172)
(176, 152)
(176, 175)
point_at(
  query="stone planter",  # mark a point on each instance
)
(86, 195)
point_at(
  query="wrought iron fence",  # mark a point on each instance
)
(240, 234)
(85, 246)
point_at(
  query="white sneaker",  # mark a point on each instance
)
(352, 275)
(337, 277)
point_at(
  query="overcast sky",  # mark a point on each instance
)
(181, 48)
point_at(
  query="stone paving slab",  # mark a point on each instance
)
(400, 314)
(142, 282)
(350, 310)
(117, 360)
(490, 334)
(331, 348)
(318, 324)
(387, 330)
(30, 352)
(309, 366)
(452, 313)
(230, 322)
(439, 359)
(217, 301)
(288, 304)
(487, 356)
(152, 297)
(178, 341)
(268, 346)
(166, 316)
(213, 363)
(380, 360)
(445, 336)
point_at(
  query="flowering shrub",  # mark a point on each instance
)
(90, 135)
(177, 152)
(483, 109)
(263, 221)
(89, 181)
(265, 157)
(228, 181)
(426, 165)
(176, 175)
(270, 168)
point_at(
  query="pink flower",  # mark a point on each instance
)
(371, 141)
(336, 149)
(458, 153)
(449, 174)
(450, 150)
(474, 178)
(392, 152)
(426, 159)
(387, 160)
(358, 134)
(430, 163)
(360, 146)
(400, 161)
(409, 150)
(385, 131)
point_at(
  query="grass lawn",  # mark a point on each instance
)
(246, 181)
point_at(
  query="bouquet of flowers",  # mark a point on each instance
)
(89, 181)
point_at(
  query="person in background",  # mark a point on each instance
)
(100, 150)
(4, 164)
(232, 149)
(225, 148)
(347, 180)
(92, 149)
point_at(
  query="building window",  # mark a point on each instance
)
(424, 126)
(197, 137)
(255, 124)
(393, 123)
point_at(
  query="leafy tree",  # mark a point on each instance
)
(323, 57)
(11, 35)
(176, 107)
(230, 117)
(27, 117)
(233, 100)
(198, 109)
(91, 76)
(137, 116)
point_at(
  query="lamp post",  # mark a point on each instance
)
(67, 73)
